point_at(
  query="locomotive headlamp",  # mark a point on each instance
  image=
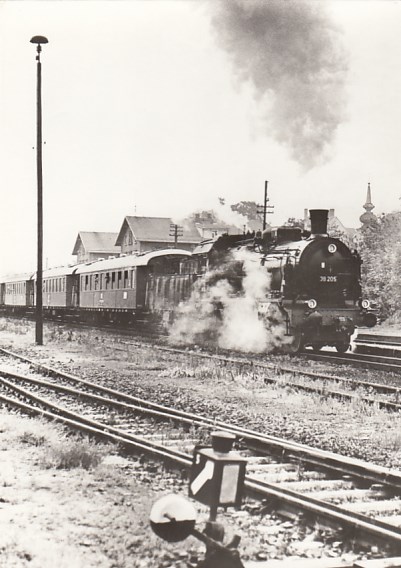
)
(332, 248)
(312, 304)
(365, 304)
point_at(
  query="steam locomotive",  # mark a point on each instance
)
(314, 284)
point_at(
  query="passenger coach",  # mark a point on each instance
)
(17, 292)
(117, 288)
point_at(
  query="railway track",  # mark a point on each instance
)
(391, 395)
(363, 499)
(364, 360)
(300, 379)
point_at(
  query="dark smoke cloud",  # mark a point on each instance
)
(292, 54)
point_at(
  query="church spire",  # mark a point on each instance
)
(368, 216)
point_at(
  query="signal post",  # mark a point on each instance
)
(217, 480)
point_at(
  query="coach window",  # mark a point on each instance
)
(101, 281)
(113, 280)
(126, 279)
(87, 282)
(107, 279)
(119, 274)
(96, 281)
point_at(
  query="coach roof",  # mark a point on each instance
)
(129, 261)
(17, 277)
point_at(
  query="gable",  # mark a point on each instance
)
(155, 229)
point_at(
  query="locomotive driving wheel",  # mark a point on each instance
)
(342, 347)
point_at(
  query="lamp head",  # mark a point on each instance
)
(39, 39)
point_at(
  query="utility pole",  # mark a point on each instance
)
(264, 208)
(39, 40)
(176, 231)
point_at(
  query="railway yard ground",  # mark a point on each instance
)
(68, 501)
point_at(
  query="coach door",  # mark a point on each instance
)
(141, 282)
(74, 290)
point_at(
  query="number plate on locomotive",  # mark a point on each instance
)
(328, 279)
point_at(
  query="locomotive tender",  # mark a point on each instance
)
(314, 284)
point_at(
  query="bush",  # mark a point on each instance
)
(70, 453)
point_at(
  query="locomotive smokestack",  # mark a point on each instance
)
(318, 221)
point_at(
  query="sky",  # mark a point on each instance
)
(160, 107)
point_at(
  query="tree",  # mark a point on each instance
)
(249, 209)
(293, 222)
(380, 250)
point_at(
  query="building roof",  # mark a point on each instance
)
(157, 229)
(96, 242)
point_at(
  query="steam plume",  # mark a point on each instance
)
(290, 52)
(238, 326)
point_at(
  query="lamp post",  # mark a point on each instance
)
(39, 40)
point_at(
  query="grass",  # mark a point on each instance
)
(72, 453)
(58, 450)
